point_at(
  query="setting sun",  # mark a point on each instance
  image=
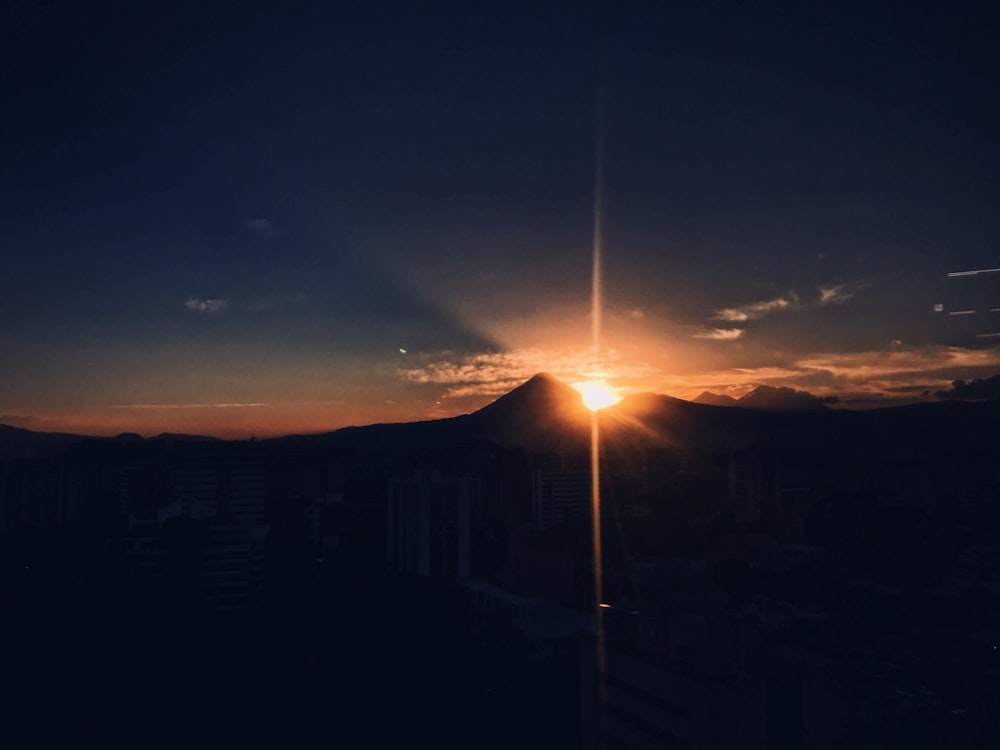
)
(597, 394)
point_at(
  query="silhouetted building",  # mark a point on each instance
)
(321, 516)
(234, 567)
(753, 485)
(428, 525)
(234, 487)
(559, 498)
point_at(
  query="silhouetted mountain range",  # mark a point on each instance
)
(978, 389)
(16, 442)
(779, 398)
(545, 414)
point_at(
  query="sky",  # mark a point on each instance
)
(237, 218)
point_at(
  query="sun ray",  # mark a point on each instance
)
(596, 395)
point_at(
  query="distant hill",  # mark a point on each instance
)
(715, 399)
(541, 414)
(973, 390)
(544, 414)
(183, 438)
(782, 398)
(16, 442)
(779, 398)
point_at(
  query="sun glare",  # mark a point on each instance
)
(597, 394)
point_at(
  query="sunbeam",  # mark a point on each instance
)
(595, 396)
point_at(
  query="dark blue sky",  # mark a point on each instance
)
(259, 205)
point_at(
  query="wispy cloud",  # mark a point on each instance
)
(829, 294)
(860, 366)
(833, 294)
(734, 381)
(731, 315)
(893, 371)
(487, 374)
(188, 406)
(197, 304)
(496, 373)
(755, 310)
(719, 334)
(889, 375)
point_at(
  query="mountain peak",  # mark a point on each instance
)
(542, 390)
(542, 405)
(715, 399)
(543, 379)
(781, 398)
(768, 398)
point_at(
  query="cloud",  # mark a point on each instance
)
(833, 294)
(719, 334)
(485, 374)
(893, 375)
(975, 390)
(903, 370)
(900, 361)
(731, 315)
(902, 373)
(755, 309)
(783, 397)
(736, 382)
(188, 406)
(496, 373)
(828, 295)
(197, 304)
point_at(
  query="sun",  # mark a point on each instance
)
(597, 394)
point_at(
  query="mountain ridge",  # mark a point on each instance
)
(768, 397)
(544, 413)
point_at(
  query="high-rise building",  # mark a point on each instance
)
(233, 572)
(428, 525)
(559, 498)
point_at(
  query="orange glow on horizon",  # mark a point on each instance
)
(235, 422)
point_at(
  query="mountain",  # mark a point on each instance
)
(544, 411)
(974, 390)
(16, 442)
(780, 398)
(715, 399)
(180, 437)
(541, 414)
(768, 397)
(544, 414)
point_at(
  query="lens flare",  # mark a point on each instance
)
(597, 394)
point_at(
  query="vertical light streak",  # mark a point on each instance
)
(596, 315)
(596, 310)
(595, 511)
